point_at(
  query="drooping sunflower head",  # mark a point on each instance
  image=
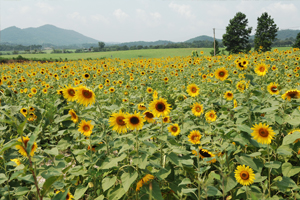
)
(60, 92)
(291, 94)
(117, 122)
(174, 129)
(22, 148)
(148, 115)
(261, 69)
(86, 127)
(85, 96)
(134, 121)
(155, 95)
(160, 107)
(16, 160)
(144, 181)
(291, 132)
(74, 116)
(23, 111)
(244, 175)
(203, 153)
(273, 88)
(197, 109)
(141, 106)
(194, 137)
(211, 116)
(221, 74)
(262, 133)
(193, 90)
(228, 95)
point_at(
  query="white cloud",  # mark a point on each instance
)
(99, 18)
(25, 9)
(44, 7)
(280, 7)
(76, 16)
(119, 14)
(184, 10)
(155, 15)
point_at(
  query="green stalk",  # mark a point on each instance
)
(269, 171)
(199, 186)
(247, 192)
(137, 143)
(161, 144)
(150, 189)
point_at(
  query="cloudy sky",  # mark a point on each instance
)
(144, 20)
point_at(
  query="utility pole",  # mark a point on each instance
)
(214, 43)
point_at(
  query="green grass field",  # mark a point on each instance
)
(143, 53)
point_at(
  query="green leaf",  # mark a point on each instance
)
(163, 173)
(284, 150)
(20, 191)
(286, 182)
(101, 197)
(128, 179)
(80, 192)
(273, 164)
(9, 145)
(32, 139)
(212, 191)
(61, 195)
(289, 170)
(28, 178)
(291, 138)
(62, 118)
(189, 190)
(245, 128)
(156, 193)
(3, 178)
(107, 182)
(268, 109)
(185, 181)
(229, 182)
(48, 183)
(53, 151)
(174, 159)
(116, 193)
(21, 127)
(248, 161)
(109, 163)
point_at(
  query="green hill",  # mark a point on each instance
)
(43, 34)
(143, 43)
(202, 38)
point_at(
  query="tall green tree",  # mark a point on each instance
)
(297, 43)
(236, 38)
(266, 32)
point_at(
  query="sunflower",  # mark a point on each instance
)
(74, 116)
(160, 107)
(203, 153)
(291, 132)
(112, 90)
(69, 93)
(134, 121)
(228, 95)
(241, 85)
(272, 89)
(242, 64)
(45, 90)
(149, 90)
(143, 181)
(261, 69)
(85, 96)
(211, 116)
(291, 94)
(141, 106)
(31, 109)
(23, 111)
(117, 121)
(60, 92)
(197, 109)
(22, 148)
(86, 76)
(262, 133)
(244, 175)
(174, 129)
(86, 128)
(69, 195)
(155, 94)
(16, 160)
(194, 137)
(193, 90)
(166, 119)
(221, 74)
(33, 90)
(235, 104)
(149, 116)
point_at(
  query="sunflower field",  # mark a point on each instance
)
(194, 127)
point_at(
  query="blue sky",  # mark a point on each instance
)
(145, 20)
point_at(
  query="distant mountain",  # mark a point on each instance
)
(202, 38)
(43, 34)
(283, 34)
(143, 43)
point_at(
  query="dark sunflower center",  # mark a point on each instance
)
(229, 94)
(134, 120)
(195, 138)
(86, 75)
(165, 119)
(222, 74)
(244, 175)
(149, 115)
(87, 94)
(160, 107)
(71, 92)
(262, 69)
(292, 94)
(273, 88)
(24, 110)
(263, 132)
(86, 128)
(120, 121)
(204, 153)
(198, 109)
(241, 65)
(174, 129)
(194, 90)
(212, 115)
(73, 115)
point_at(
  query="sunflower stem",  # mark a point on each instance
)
(247, 192)
(198, 166)
(137, 143)
(269, 171)
(161, 144)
